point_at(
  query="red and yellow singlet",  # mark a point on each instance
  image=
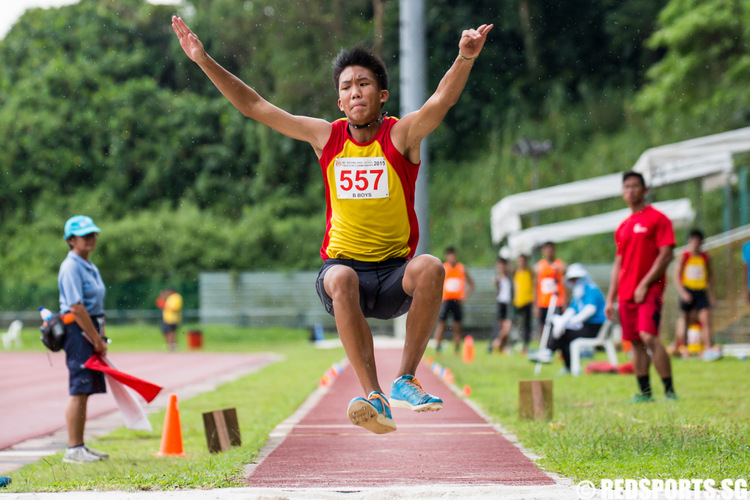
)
(369, 197)
(694, 271)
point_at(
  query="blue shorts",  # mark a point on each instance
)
(77, 351)
(381, 291)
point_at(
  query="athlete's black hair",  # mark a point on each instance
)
(360, 56)
(631, 173)
(696, 233)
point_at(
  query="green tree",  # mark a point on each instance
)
(706, 66)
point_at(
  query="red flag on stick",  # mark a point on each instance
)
(145, 389)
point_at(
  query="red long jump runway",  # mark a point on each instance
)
(34, 388)
(454, 446)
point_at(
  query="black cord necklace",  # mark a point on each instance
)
(369, 124)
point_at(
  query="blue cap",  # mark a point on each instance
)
(80, 225)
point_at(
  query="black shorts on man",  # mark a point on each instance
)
(698, 301)
(503, 310)
(452, 307)
(381, 290)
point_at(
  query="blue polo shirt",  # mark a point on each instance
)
(746, 257)
(79, 281)
(585, 292)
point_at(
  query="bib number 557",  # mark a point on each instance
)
(361, 178)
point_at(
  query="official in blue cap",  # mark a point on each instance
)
(80, 225)
(81, 294)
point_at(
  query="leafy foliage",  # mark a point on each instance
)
(706, 67)
(101, 113)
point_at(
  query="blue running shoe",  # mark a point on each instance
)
(407, 392)
(373, 413)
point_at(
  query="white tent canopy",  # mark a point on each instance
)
(680, 212)
(692, 159)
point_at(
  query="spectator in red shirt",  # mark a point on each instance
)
(644, 242)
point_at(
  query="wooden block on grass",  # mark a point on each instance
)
(535, 399)
(222, 429)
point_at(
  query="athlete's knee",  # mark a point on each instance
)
(428, 271)
(341, 281)
(638, 345)
(648, 340)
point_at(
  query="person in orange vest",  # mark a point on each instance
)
(457, 287)
(692, 278)
(549, 272)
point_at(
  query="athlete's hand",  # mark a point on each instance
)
(472, 41)
(609, 310)
(686, 297)
(640, 294)
(188, 40)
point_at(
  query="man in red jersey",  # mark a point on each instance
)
(644, 242)
(369, 163)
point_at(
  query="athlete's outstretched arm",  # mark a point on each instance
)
(248, 101)
(409, 132)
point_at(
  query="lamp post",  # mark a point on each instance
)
(529, 148)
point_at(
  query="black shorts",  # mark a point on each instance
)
(543, 313)
(77, 349)
(698, 302)
(168, 327)
(452, 307)
(503, 311)
(381, 292)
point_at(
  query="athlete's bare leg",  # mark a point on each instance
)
(503, 335)
(458, 335)
(641, 359)
(439, 332)
(680, 333)
(704, 316)
(423, 281)
(342, 285)
(658, 355)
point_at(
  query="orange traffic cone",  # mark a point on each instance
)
(171, 434)
(468, 352)
(467, 390)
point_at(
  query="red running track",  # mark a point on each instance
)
(454, 446)
(34, 386)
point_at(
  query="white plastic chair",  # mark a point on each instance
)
(13, 335)
(606, 338)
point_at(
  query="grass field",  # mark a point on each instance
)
(706, 434)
